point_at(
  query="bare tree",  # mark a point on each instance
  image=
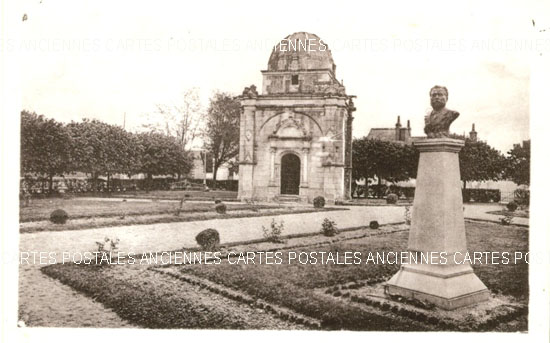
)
(182, 121)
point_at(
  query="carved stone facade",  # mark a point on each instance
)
(303, 111)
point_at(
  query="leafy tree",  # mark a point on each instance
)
(44, 147)
(390, 161)
(518, 164)
(222, 129)
(162, 155)
(102, 149)
(480, 162)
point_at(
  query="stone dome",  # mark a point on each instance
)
(301, 51)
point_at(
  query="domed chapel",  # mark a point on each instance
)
(295, 137)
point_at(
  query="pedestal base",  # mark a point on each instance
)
(447, 287)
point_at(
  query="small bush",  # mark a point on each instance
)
(374, 225)
(392, 198)
(319, 202)
(274, 234)
(208, 239)
(506, 220)
(521, 196)
(217, 201)
(221, 208)
(329, 228)
(59, 216)
(512, 206)
(108, 245)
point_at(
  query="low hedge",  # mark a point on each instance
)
(480, 195)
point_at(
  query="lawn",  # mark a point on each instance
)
(300, 287)
(40, 209)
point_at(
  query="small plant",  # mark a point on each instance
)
(319, 202)
(59, 216)
(512, 206)
(329, 228)
(374, 225)
(221, 208)
(274, 234)
(208, 239)
(392, 198)
(507, 219)
(408, 215)
(217, 201)
(108, 245)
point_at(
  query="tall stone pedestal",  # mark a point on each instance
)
(437, 228)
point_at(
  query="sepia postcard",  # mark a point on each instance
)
(288, 170)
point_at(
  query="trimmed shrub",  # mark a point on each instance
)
(208, 239)
(221, 208)
(319, 202)
(59, 216)
(512, 206)
(392, 198)
(374, 225)
(329, 228)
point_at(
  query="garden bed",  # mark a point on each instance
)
(300, 290)
(205, 213)
(92, 208)
(516, 213)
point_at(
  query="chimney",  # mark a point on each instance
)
(398, 129)
(473, 133)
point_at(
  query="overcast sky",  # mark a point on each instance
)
(100, 59)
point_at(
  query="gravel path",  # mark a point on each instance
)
(479, 211)
(46, 302)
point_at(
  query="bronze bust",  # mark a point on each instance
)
(437, 123)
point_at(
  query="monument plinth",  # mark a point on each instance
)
(437, 230)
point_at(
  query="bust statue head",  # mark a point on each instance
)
(438, 97)
(438, 122)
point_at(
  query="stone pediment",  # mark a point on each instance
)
(290, 128)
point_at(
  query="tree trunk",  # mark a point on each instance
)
(94, 182)
(50, 183)
(379, 195)
(148, 182)
(214, 175)
(109, 182)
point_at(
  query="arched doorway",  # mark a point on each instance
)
(290, 174)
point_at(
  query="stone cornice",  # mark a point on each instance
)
(439, 144)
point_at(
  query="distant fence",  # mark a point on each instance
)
(39, 187)
(468, 194)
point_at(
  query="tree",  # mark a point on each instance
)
(222, 130)
(162, 155)
(101, 149)
(182, 121)
(390, 161)
(518, 164)
(44, 147)
(480, 162)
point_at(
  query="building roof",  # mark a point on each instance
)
(315, 56)
(385, 134)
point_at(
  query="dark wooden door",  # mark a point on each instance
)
(290, 174)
